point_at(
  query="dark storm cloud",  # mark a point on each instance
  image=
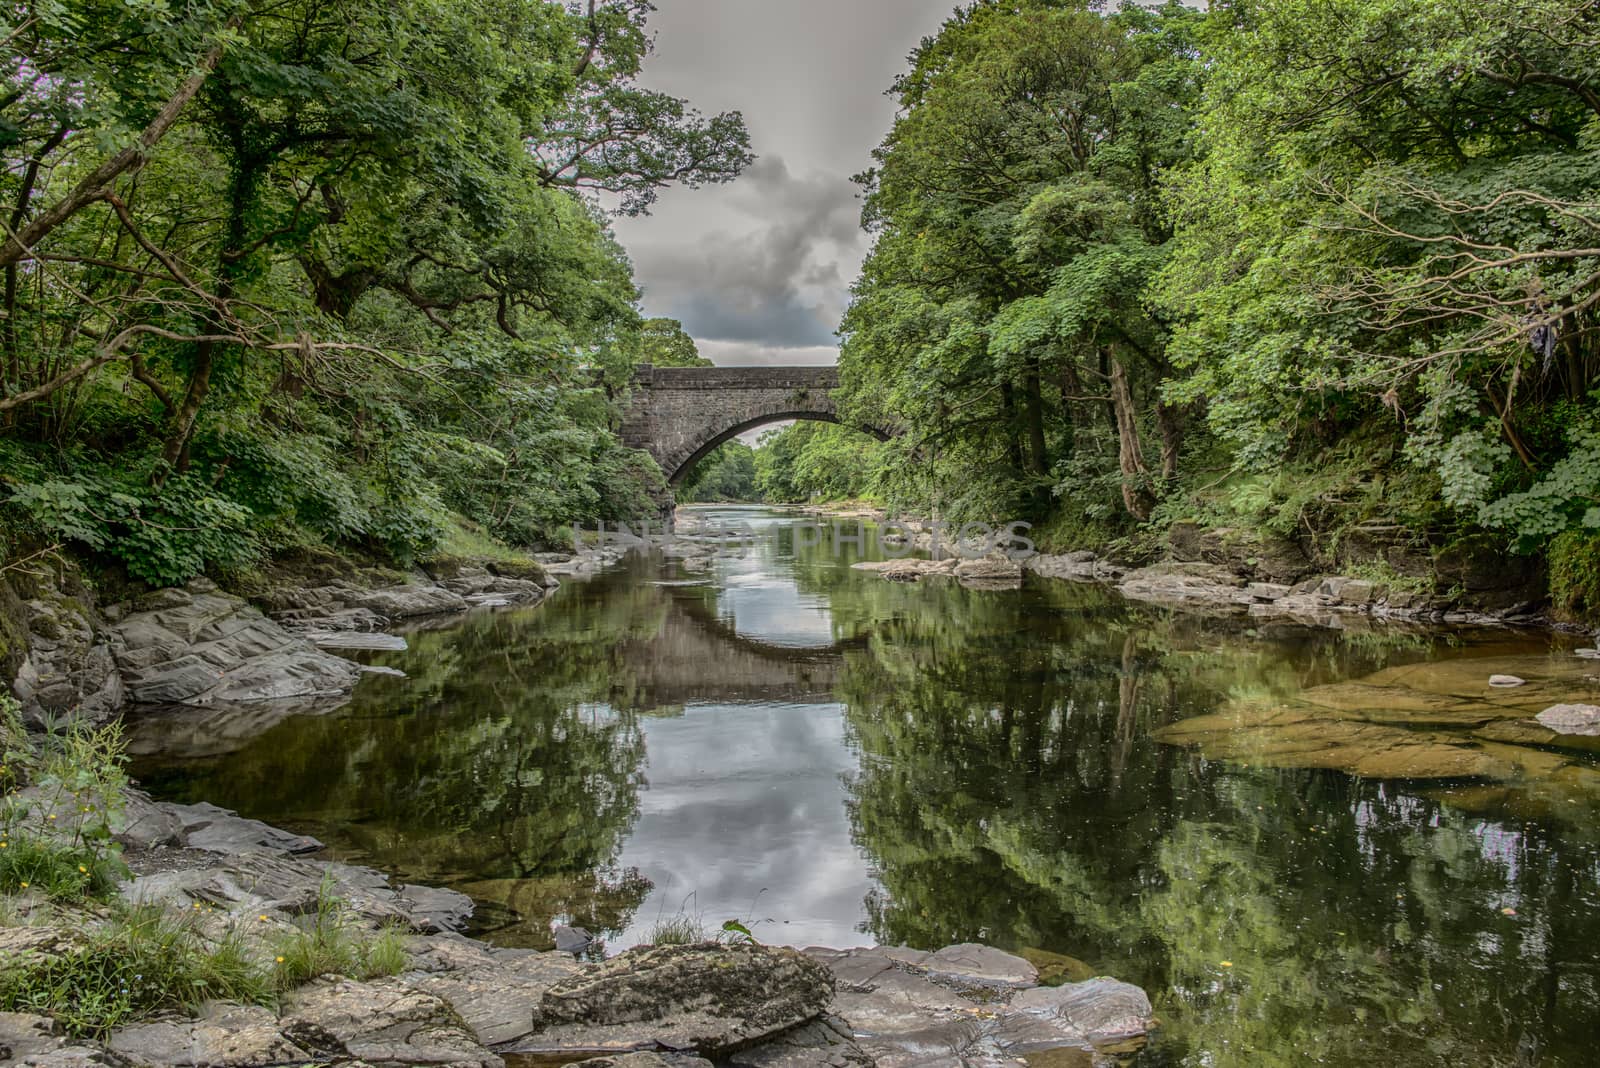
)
(759, 270)
(778, 283)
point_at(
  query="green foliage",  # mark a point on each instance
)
(360, 282)
(162, 536)
(664, 343)
(56, 838)
(679, 930)
(1575, 575)
(140, 963)
(329, 941)
(818, 461)
(727, 473)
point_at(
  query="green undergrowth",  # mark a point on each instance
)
(328, 942)
(137, 963)
(63, 795)
(1575, 576)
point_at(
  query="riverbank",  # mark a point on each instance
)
(1226, 571)
(324, 962)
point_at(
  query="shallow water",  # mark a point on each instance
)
(832, 758)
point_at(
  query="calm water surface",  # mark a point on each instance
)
(836, 759)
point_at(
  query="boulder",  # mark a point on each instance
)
(1571, 719)
(60, 667)
(1248, 553)
(208, 648)
(709, 997)
(381, 1022)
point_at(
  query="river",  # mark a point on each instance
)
(832, 758)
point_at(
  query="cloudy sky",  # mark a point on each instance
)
(759, 271)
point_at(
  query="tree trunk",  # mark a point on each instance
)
(1130, 455)
(1033, 409)
(1170, 419)
(1008, 411)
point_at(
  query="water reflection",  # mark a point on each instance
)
(848, 760)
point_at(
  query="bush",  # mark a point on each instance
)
(1575, 575)
(163, 536)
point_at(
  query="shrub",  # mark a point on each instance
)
(1575, 575)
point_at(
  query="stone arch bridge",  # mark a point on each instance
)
(679, 414)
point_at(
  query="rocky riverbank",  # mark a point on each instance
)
(1226, 571)
(452, 1000)
(75, 653)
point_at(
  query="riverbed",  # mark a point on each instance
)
(772, 737)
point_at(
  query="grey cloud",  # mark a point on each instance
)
(777, 283)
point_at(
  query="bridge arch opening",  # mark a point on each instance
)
(677, 477)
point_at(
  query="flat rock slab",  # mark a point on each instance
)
(498, 994)
(223, 1036)
(221, 830)
(970, 1005)
(982, 965)
(266, 882)
(711, 998)
(381, 1022)
(23, 1035)
(1102, 1010)
(357, 640)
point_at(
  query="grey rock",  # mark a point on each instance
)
(643, 1059)
(823, 1043)
(220, 830)
(224, 1035)
(495, 994)
(276, 883)
(67, 673)
(210, 648)
(404, 602)
(434, 908)
(1571, 719)
(1506, 681)
(73, 1057)
(709, 997)
(970, 962)
(1096, 1011)
(351, 639)
(24, 1035)
(17, 943)
(572, 939)
(381, 1022)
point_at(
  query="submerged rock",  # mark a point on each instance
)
(1571, 719)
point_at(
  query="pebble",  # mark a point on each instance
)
(1505, 680)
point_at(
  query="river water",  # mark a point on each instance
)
(832, 758)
